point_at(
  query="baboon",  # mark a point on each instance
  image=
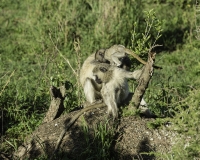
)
(90, 87)
(114, 85)
(115, 53)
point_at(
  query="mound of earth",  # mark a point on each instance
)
(131, 139)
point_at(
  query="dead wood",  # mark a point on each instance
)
(143, 82)
(56, 106)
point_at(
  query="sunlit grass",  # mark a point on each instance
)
(37, 40)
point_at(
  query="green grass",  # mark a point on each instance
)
(98, 147)
(39, 38)
(178, 76)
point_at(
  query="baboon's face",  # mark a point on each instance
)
(99, 56)
(100, 73)
(126, 63)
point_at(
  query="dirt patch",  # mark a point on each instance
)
(140, 142)
(132, 139)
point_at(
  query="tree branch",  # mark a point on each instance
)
(143, 82)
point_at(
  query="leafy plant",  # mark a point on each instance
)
(142, 42)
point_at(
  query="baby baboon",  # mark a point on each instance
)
(115, 53)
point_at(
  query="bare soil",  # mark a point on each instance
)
(132, 138)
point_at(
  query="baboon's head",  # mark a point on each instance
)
(99, 56)
(102, 73)
(126, 63)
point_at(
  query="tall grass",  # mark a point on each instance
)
(45, 43)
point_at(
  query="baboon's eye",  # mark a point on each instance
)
(102, 69)
(101, 54)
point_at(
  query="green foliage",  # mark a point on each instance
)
(127, 112)
(186, 122)
(177, 19)
(157, 123)
(174, 93)
(171, 85)
(143, 43)
(44, 43)
(99, 146)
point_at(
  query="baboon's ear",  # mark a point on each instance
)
(102, 69)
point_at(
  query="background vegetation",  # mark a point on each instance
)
(45, 42)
